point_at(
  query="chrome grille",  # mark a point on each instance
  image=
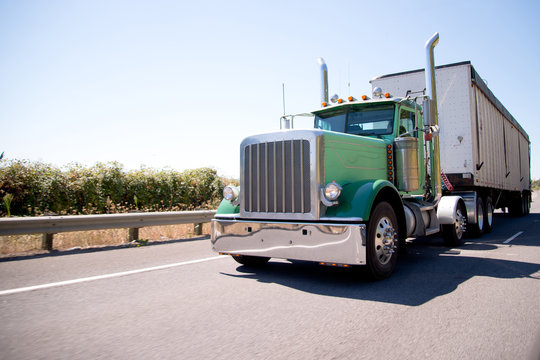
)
(276, 177)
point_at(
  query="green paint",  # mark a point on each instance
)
(351, 158)
(225, 207)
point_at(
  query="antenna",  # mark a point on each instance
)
(349, 76)
(283, 92)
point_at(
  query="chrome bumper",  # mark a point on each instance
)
(333, 243)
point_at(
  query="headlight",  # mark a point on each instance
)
(332, 191)
(230, 193)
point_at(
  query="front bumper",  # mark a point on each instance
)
(332, 243)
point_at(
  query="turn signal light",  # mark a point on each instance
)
(390, 172)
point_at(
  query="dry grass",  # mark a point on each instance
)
(28, 244)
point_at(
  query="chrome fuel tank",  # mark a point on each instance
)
(406, 163)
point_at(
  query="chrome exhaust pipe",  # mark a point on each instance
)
(324, 80)
(430, 112)
(431, 90)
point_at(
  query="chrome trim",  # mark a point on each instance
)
(275, 177)
(321, 242)
(324, 80)
(342, 219)
(432, 112)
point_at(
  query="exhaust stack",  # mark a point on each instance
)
(431, 117)
(324, 80)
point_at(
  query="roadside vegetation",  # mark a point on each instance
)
(34, 188)
(535, 184)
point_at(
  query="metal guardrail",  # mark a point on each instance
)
(50, 225)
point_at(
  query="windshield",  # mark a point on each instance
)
(360, 121)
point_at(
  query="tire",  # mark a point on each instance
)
(476, 230)
(526, 204)
(488, 218)
(453, 233)
(382, 242)
(253, 261)
(517, 206)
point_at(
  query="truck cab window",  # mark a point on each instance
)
(365, 121)
(332, 121)
(371, 121)
(406, 122)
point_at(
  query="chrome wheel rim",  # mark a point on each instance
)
(385, 243)
(459, 223)
(480, 215)
(489, 212)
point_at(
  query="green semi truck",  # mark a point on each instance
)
(377, 170)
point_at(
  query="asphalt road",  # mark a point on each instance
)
(479, 301)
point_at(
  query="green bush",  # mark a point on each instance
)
(39, 188)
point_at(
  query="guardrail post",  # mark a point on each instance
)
(47, 242)
(133, 234)
(197, 229)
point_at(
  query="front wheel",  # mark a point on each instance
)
(382, 241)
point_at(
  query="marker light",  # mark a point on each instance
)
(387, 95)
(364, 97)
(340, 100)
(324, 104)
(350, 98)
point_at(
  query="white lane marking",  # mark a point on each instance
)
(106, 276)
(513, 237)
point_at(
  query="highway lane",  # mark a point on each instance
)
(476, 301)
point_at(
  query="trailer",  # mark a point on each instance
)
(482, 146)
(431, 151)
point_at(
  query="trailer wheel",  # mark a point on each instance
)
(382, 241)
(517, 206)
(488, 218)
(253, 261)
(477, 229)
(453, 233)
(526, 204)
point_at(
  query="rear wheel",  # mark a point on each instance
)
(517, 206)
(488, 218)
(527, 200)
(382, 241)
(250, 260)
(477, 229)
(453, 233)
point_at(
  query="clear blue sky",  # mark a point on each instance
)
(179, 84)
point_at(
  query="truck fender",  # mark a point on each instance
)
(446, 210)
(357, 199)
(226, 208)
